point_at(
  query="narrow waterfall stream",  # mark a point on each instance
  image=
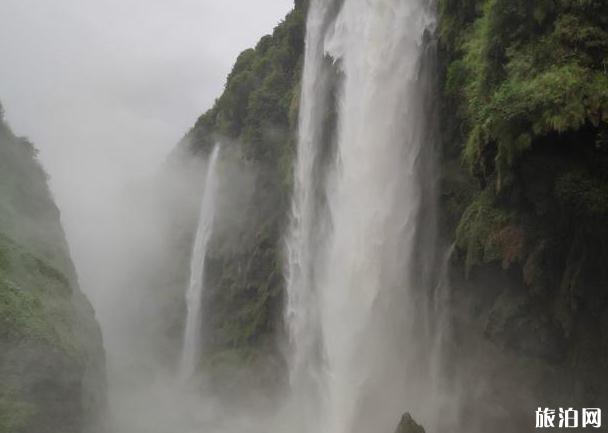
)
(194, 295)
(357, 360)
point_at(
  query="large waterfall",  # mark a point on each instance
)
(360, 259)
(194, 295)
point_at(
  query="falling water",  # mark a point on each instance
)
(194, 295)
(303, 315)
(358, 347)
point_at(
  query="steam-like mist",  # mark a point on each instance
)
(155, 386)
(110, 106)
(106, 90)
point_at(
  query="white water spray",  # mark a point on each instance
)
(303, 315)
(194, 295)
(357, 354)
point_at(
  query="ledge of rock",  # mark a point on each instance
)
(408, 425)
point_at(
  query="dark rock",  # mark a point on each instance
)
(408, 425)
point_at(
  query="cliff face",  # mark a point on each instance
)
(254, 119)
(51, 356)
(525, 195)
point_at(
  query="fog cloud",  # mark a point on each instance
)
(106, 88)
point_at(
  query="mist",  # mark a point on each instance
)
(106, 90)
(309, 216)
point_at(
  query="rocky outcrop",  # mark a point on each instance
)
(408, 425)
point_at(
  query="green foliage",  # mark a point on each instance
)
(46, 324)
(256, 102)
(525, 97)
(21, 314)
(35, 300)
(478, 233)
(36, 273)
(256, 116)
(524, 70)
(28, 214)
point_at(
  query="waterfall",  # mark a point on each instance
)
(359, 346)
(194, 295)
(303, 315)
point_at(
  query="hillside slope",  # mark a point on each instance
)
(52, 377)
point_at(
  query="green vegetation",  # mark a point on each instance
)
(484, 233)
(48, 335)
(524, 70)
(258, 99)
(256, 118)
(35, 300)
(525, 179)
(524, 103)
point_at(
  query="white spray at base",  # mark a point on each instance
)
(358, 322)
(196, 288)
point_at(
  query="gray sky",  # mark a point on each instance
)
(115, 83)
(105, 88)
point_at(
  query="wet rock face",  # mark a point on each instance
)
(408, 425)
